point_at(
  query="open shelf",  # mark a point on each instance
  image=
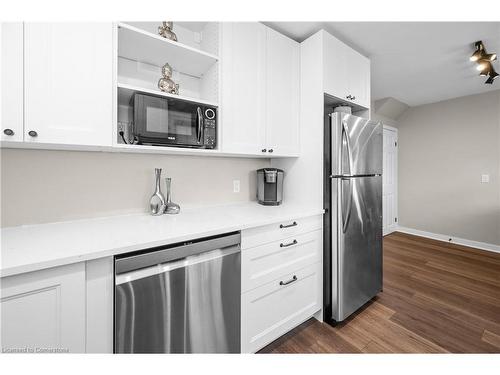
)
(126, 91)
(142, 46)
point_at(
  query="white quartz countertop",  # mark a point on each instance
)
(33, 247)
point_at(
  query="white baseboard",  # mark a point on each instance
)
(446, 238)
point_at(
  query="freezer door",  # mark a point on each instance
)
(356, 145)
(357, 264)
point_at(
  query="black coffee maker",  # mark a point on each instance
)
(270, 186)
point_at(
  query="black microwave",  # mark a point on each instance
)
(172, 122)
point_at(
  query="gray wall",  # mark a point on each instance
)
(45, 186)
(444, 148)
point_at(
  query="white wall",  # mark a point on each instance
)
(45, 186)
(444, 148)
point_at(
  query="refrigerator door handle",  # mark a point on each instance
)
(348, 147)
(345, 221)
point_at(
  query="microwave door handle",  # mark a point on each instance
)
(200, 123)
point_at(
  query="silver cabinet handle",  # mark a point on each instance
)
(8, 132)
(294, 242)
(294, 278)
(32, 133)
(289, 225)
(263, 150)
(270, 150)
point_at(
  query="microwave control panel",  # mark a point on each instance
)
(210, 128)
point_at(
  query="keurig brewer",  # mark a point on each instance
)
(270, 186)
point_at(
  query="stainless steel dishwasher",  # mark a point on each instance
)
(180, 299)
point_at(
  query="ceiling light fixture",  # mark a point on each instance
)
(484, 67)
(479, 51)
(492, 77)
(484, 62)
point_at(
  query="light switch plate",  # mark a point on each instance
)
(485, 178)
(236, 186)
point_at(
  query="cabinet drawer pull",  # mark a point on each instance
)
(294, 242)
(32, 133)
(9, 132)
(263, 150)
(289, 225)
(294, 278)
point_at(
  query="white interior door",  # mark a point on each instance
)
(390, 179)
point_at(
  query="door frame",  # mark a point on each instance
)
(396, 195)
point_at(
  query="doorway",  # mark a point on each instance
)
(390, 180)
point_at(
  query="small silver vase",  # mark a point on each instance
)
(157, 202)
(170, 207)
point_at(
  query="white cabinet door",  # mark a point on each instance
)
(335, 69)
(358, 74)
(68, 83)
(389, 185)
(282, 94)
(275, 308)
(243, 80)
(45, 310)
(346, 73)
(12, 81)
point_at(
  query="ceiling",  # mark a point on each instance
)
(414, 62)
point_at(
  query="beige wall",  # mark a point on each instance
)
(46, 186)
(444, 148)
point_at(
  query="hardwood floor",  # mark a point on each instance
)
(437, 298)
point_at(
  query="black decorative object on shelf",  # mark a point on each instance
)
(484, 62)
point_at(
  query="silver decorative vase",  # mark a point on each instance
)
(170, 207)
(157, 202)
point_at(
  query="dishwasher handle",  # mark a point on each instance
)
(191, 260)
(164, 255)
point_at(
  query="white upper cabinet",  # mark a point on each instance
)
(12, 81)
(359, 78)
(282, 90)
(335, 75)
(243, 79)
(346, 73)
(260, 91)
(68, 83)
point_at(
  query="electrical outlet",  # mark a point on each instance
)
(236, 186)
(485, 178)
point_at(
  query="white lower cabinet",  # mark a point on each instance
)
(265, 263)
(275, 308)
(44, 311)
(281, 279)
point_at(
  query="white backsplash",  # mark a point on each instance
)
(41, 186)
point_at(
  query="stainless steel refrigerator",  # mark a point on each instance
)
(353, 219)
